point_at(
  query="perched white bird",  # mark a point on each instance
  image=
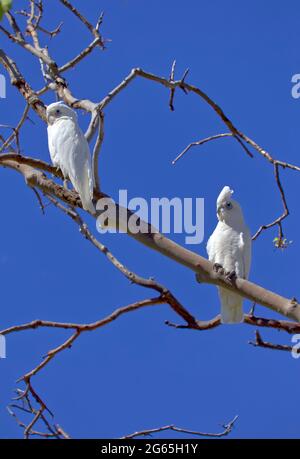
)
(69, 150)
(230, 246)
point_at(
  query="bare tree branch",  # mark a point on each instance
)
(16, 131)
(277, 221)
(259, 342)
(92, 29)
(201, 142)
(143, 433)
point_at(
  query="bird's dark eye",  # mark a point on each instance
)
(57, 111)
(228, 205)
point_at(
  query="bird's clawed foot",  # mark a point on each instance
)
(231, 276)
(219, 268)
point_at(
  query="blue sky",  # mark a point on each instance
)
(137, 373)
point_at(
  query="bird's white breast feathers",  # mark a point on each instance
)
(231, 249)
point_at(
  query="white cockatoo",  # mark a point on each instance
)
(230, 246)
(69, 150)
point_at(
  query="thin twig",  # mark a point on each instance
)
(227, 429)
(83, 19)
(172, 91)
(201, 142)
(42, 207)
(259, 342)
(278, 220)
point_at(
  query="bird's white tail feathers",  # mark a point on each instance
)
(85, 194)
(231, 307)
(85, 191)
(87, 204)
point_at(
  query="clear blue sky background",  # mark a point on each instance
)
(137, 373)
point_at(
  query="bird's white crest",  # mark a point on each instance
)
(230, 246)
(69, 150)
(228, 210)
(225, 195)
